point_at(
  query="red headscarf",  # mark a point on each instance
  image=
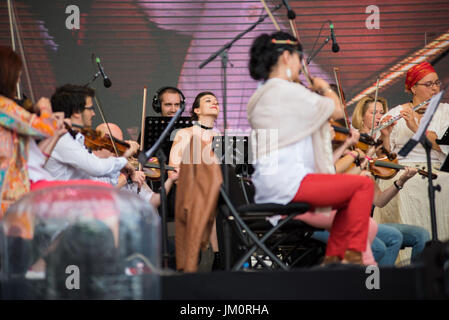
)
(416, 73)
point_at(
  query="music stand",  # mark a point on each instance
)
(161, 137)
(420, 137)
(154, 126)
(444, 139)
(235, 150)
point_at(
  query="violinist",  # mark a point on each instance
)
(17, 126)
(137, 177)
(411, 206)
(70, 159)
(299, 168)
(393, 235)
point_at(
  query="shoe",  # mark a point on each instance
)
(353, 257)
(331, 260)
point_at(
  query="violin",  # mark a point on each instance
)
(152, 168)
(342, 133)
(96, 140)
(385, 169)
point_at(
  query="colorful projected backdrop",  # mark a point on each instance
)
(158, 43)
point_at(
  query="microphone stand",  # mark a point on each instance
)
(318, 50)
(143, 159)
(431, 191)
(95, 76)
(223, 53)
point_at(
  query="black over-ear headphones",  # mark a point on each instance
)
(157, 98)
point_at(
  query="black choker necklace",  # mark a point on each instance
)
(204, 127)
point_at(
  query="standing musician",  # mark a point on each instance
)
(70, 159)
(300, 167)
(17, 126)
(411, 206)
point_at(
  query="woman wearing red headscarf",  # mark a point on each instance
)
(411, 206)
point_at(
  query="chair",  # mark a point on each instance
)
(249, 240)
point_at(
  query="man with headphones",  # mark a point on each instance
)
(168, 100)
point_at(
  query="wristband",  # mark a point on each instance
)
(368, 158)
(45, 154)
(396, 185)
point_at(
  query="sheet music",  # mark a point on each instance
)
(425, 121)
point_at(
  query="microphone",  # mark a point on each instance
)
(106, 81)
(335, 47)
(290, 13)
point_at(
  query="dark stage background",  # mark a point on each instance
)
(158, 43)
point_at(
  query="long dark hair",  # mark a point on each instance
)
(264, 53)
(10, 67)
(196, 104)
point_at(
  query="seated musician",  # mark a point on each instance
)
(70, 159)
(136, 177)
(300, 168)
(403, 235)
(167, 101)
(411, 206)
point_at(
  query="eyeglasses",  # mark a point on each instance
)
(430, 84)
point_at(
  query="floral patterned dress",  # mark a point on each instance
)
(16, 127)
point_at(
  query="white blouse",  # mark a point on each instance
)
(278, 175)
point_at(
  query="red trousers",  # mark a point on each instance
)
(352, 197)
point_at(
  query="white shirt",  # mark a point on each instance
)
(145, 191)
(36, 162)
(70, 160)
(401, 134)
(278, 175)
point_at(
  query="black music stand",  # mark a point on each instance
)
(154, 126)
(444, 141)
(420, 137)
(161, 138)
(235, 150)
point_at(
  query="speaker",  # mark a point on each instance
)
(157, 98)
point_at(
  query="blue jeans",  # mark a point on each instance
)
(386, 245)
(389, 240)
(413, 236)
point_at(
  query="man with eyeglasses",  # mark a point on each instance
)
(411, 206)
(70, 159)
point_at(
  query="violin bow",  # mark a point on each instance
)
(340, 95)
(13, 23)
(142, 125)
(270, 14)
(107, 124)
(375, 107)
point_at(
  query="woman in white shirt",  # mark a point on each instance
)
(296, 164)
(411, 206)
